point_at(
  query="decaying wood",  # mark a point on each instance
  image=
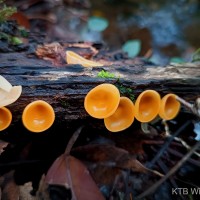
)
(65, 87)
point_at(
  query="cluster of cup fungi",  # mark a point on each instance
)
(101, 102)
(37, 116)
(104, 102)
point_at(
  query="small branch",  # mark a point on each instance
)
(180, 155)
(165, 169)
(194, 108)
(170, 173)
(73, 140)
(165, 146)
(167, 134)
(166, 126)
(186, 145)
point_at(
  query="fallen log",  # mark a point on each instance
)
(65, 87)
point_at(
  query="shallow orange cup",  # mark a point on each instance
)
(169, 107)
(102, 101)
(5, 118)
(122, 118)
(147, 106)
(38, 116)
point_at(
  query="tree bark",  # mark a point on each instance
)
(65, 87)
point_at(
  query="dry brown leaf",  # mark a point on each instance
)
(9, 190)
(109, 153)
(53, 52)
(70, 172)
(2, 146)
(106, 162)
(85, 45)
(21, 19)
(25, 192)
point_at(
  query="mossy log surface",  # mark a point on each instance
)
(65, 87)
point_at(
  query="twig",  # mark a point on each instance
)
(165, 169)
(194, 108)
(166, 126)
(169, 140)
(185, 145)
(170, 173)
(73, 140)
(167, 134)
(180, 155)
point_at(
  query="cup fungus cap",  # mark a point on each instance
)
(38, 116)
(122, 118)
(7, 98)
(5, 118)
(74, 58)
(169, 107)
(102, 101)
(147, 106)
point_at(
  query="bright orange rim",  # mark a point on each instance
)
(169, 107)
(102, 101)
(122, 118)
(147, 106)
(38, 116)
(5, 118)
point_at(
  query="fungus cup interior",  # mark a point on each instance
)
(122, 118)
(38, 116)
(5, 118)
(102, 101)
(147, 106)
(73, 58)
(169, 107)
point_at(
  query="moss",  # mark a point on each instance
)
(5, 11)
(64, 103)
(125, 91)
(105, 74)
(11, 39)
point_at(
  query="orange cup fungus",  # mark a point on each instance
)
(74, 58)
(5, 118)
(147, 106)
(38, 116)
(102, 101)
(169, 107)
(122, 118)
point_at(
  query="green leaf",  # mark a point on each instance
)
(132, 48)
(98, 24)
(196, 56)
